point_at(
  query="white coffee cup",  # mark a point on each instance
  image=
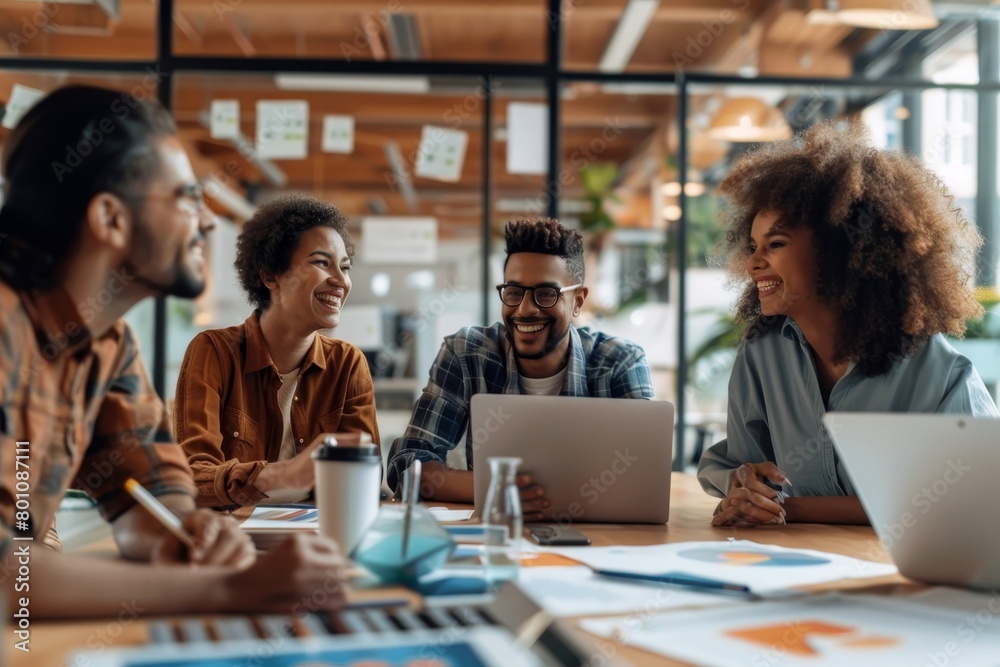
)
(348, 482)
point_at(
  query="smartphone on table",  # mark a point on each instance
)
(552, 535)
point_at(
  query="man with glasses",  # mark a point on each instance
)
(102, 210)
(535, 350)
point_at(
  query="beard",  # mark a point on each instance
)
(184, 283)
(552, 341)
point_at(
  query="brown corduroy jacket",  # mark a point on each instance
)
(226, 414)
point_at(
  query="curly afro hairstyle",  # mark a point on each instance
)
(269, 239)
(894, 253)
(548, 237)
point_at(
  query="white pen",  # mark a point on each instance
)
(158, 510)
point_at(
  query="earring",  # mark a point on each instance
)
(576, 312)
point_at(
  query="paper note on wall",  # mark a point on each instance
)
(225, 119)
(21, 99)
(338, 134)
(399, 240)
(441, 153)
(527, 138)
(282, 128)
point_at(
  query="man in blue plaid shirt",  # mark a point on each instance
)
(535, 350)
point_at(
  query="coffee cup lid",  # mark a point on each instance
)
(331, 451)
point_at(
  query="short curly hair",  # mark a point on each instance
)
(548, 237)
(894, 253)
(269, 239)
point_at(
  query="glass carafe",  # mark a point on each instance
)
(503, 520)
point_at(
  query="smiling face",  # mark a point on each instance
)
(540, 336)
(311, 292)
(168, 249)
(782, 263)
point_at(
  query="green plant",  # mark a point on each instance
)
(726, 335)
(717, 352)
(987, 326)
(598, 181)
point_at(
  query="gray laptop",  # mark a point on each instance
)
(929, 485)
(599, 459)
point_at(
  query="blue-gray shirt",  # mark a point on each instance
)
(775, 407)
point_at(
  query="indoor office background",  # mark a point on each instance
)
(617, 116)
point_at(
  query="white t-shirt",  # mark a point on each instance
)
(286, 393)
(549, 386)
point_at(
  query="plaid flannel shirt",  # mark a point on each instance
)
(479, 360)
(86, 408)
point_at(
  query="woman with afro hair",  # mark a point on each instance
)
(854, 262)
(254, 400)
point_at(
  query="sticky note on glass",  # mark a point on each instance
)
(527, 138)
(441, 153)
(22, 98)
(338, 134)
(225, 123)
(283, 129)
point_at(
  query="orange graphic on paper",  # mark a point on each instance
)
(743, 558)
(871, 642)
(794, 637)
(546, 559)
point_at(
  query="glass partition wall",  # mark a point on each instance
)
(432, 124)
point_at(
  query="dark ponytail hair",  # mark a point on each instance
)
(75, 143)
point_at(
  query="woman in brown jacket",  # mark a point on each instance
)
(254, 400)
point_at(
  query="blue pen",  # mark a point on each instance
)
(680, 579)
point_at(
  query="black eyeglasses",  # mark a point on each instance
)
(190, 197)
(544, 296)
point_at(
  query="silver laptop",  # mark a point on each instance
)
(929, 485)
(599, 459)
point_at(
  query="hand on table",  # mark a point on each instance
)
(305, 573)
(533, 500)
(750, 501)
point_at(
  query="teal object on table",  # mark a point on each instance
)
(381, 548)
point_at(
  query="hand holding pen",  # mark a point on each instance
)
(202, 537)
(750, 500)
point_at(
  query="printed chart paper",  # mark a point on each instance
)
(225, 119)
(819, 631)
(577, 591)
(764, 568)
(441, 153)
(388, 240)
(338, 134)
(282, 129)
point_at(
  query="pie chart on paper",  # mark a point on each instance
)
(751, 558)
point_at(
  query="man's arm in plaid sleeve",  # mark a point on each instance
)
(439, 419)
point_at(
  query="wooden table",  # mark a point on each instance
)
(690, 515)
